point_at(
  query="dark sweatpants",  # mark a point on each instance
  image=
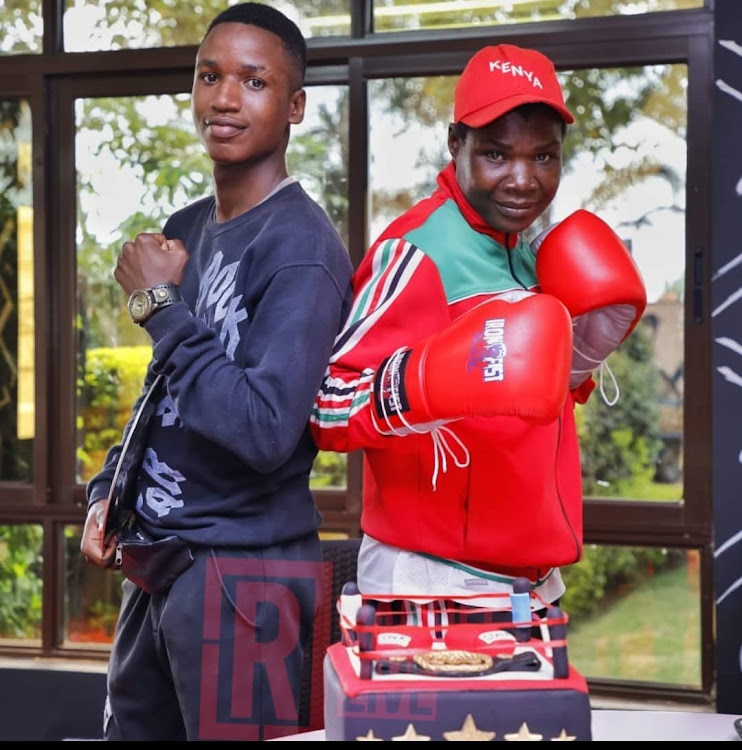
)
(219, 655)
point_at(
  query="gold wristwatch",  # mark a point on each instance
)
(143, 303)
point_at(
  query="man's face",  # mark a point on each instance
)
(244, 94)
(510, 169)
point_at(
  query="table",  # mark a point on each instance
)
(627, 726)
(657, 726)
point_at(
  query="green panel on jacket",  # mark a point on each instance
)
(471, 263)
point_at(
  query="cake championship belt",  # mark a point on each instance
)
(453, 662)
(458, 663)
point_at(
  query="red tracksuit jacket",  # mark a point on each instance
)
(516, 509)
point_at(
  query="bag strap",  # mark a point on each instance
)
(122, 496)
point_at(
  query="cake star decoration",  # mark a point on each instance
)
(410, 735)
(524, 735)
(369, 737)
(564, 737)
(468, 732)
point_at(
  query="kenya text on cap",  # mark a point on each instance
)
(498, 79)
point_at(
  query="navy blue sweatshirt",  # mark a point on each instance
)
(229, 452)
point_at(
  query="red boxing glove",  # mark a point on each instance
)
(500, 358)
(583, 262)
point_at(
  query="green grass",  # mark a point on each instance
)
(649, 490)
(641, 488)
(651, 632)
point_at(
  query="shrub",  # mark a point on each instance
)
(110, 384)
(604, 572)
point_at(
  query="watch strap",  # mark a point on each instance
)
(165, 294)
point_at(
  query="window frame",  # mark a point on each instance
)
(52, 80)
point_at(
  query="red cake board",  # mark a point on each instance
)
(504, 708)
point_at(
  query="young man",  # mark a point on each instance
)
(456, 371)
(243, 294)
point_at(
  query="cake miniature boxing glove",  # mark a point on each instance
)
(501, 358)
(583, 262)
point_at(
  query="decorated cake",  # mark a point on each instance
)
(498, 679)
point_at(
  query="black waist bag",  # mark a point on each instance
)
(152, 564)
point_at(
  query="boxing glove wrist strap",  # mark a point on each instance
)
(390, 400)
(390, 397)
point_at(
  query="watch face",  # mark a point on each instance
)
(139, 305)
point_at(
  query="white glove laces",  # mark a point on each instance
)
(603, 366)
(441, 447)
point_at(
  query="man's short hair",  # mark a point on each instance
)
(270, 19)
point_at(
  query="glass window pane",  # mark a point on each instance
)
(403, 15)
(22, 27)
(149, 144)
(92, 596)
(625, 160)
(91, 25)
(635, 614)
(408, 119)
(21, 578)
(117, 136)
(17, 372)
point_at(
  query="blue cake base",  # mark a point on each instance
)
(418, 708)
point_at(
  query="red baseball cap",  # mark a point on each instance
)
(498, 79)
